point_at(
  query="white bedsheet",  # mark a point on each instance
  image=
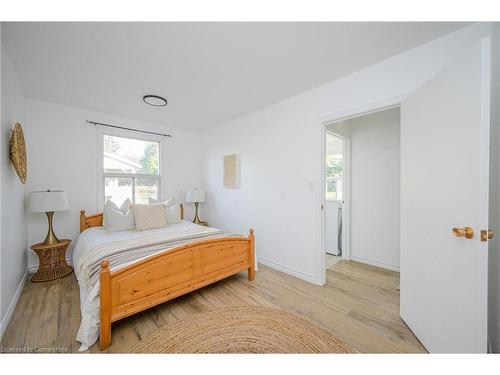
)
(89, 301)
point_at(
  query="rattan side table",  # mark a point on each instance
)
(52, 261)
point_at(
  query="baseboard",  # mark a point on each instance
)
(33, 267)
(13, 303)
(375, 263)
(291, 271)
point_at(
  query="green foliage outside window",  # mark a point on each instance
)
(150, 160)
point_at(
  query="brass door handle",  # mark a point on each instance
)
(487, 235)
(466, 232)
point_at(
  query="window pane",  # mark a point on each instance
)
(127, 155)
(145, 188)
(117, 189)
(334, 167)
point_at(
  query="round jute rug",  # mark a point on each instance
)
(242, 330)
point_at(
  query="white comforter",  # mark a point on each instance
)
(94, 243)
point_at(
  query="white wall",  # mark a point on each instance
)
(62, 154)
(375, 180)
(280, 158)
(494, 219)
(13, 222)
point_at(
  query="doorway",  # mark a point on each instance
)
(334, 183)
(361, 215)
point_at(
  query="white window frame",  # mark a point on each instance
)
(101, 132)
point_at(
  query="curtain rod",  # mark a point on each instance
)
(124, 128)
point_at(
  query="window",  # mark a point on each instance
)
(131, 169)
(334, 167)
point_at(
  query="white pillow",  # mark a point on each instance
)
(173, 214)
(125, 206)
(172, 210)
(118, 221)
(149, 216)
(169, 202)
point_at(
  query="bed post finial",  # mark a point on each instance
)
(83, 221)
(104, 264)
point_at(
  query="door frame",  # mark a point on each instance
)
(320, 123)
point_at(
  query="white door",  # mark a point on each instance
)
(444, 184)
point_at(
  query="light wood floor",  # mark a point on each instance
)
(359, 304)
(331, 260)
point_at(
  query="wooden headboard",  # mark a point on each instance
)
(96, 220)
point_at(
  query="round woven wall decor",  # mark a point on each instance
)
(18, 152)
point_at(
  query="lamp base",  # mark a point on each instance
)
(51, 238)
(196, 219)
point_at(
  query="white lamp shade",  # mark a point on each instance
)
(195, 195)
(47, 201)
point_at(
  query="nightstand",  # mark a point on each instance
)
(52, 261)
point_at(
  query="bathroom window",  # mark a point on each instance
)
(334, 164)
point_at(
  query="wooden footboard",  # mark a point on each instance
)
(166, 276)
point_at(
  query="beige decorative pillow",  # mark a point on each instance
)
(149, 216)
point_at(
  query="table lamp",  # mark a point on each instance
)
(196, 196)
(48, 202)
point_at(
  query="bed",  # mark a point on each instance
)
(123, 273)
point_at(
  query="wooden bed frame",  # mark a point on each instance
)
(165, 276)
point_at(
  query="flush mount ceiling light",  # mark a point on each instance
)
(154, 100)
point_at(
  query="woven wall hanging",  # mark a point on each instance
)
(18, 152)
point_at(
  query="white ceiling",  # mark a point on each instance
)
(209, 72)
